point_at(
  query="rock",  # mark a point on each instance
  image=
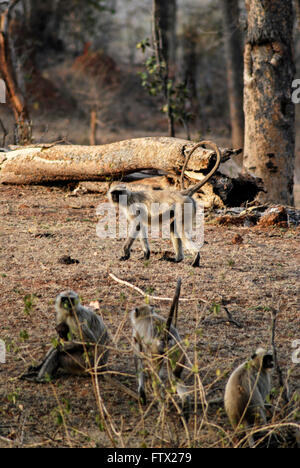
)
(237, 239)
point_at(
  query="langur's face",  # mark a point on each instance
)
(268, 361)
(68, 302)
(119, 196)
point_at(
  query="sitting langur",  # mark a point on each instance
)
(83, 340)
(247, 389)
(150, 208)
(157, 342)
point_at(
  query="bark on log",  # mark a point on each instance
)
(47, 163)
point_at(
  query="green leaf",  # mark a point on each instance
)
(24, 335)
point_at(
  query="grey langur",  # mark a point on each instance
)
(157, 341)
(146, 208)
(83, 341)
(247, 389)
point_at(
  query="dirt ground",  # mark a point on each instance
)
(39, 225)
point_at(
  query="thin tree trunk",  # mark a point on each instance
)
(190, 58)
(161, 29)
(93, 127)
(23, 129)
(234, 59)
(171, 34)
(297, 10)
(269, 112)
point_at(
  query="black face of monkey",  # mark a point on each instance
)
(68, 303)
(116, 194)
(268, 361)
(119, 196)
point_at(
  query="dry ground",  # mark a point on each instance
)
(41, 224)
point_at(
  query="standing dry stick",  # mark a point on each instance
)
(173, 309)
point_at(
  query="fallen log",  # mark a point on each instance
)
(40, 164)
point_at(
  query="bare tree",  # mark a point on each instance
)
(269, 112)
(234, 57)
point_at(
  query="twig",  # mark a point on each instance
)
(154, 298)
(46, 146)
(231, 319)
(216, 401)
(121, 387)
(62, 416)
(6, 440)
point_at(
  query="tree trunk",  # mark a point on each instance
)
(53, 163)
(297, 10)
(190, 59)
(162, 32)
(234, 60)
(93, 127)
(23, 130)
(164, 16)
(269, 111)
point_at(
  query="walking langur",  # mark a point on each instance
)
(247, 389)
(83, 341)
(148, 208)
(157, 342)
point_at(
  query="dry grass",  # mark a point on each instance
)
(38, 226)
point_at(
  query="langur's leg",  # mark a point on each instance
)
(141, 379)
(191, 247)
(177, 245)
(144, 242)
(133, 233)
(49, 366)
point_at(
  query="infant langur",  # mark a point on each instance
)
(247, 389)
(153, 207)
(83, 341)
(156, 342)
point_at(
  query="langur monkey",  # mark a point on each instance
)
(83, 341)
(157, 341)
(144, 208)
(247, 389)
